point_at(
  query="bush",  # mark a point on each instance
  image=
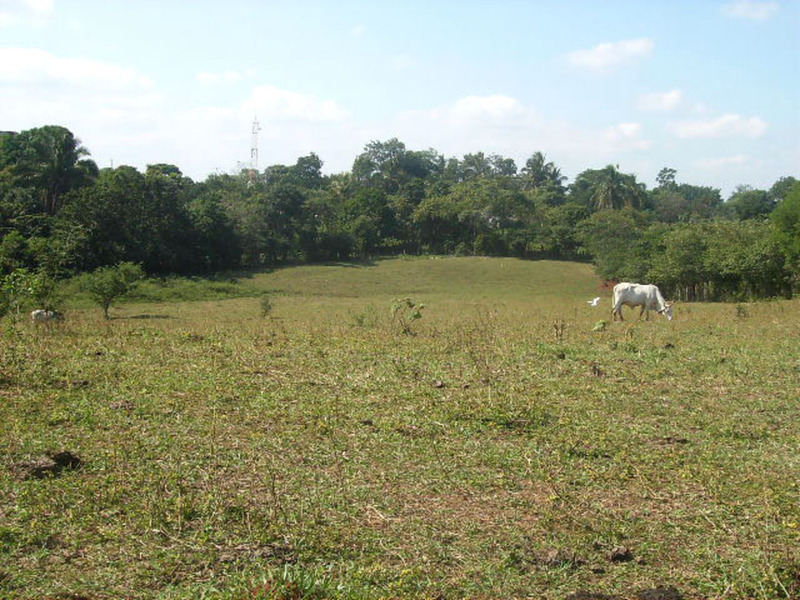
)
(108, 284)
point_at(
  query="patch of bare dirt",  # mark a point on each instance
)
(657, 593)
(561, 558)
(51, 465)
(660, 593)
(583, 595)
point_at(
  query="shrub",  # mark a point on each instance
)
(106, 285)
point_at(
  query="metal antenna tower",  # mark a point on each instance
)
(253, 174)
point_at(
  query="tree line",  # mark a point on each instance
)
(60, 215)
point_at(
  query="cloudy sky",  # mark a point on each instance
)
(710, 88)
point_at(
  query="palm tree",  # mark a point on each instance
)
(615, 190)
(50, 159)
(537, 173)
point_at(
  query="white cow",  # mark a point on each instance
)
(41, 316)
(636, 294)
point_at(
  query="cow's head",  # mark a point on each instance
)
(667, 311)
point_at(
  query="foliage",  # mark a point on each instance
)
(49, 160)
(15, 289)
(106, 285)
(721, 260)
(266, 305)
(613, 238)
(747, 203)
(538, 173)
(59, 216)
(608, 189)
(786, 219)
(404, 312)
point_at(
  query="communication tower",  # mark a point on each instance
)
(253, 173)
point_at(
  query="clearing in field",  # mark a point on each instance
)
(486, 438)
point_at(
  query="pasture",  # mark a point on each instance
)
(503, 445)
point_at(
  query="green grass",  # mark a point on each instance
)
(171, 289)
(503, 449)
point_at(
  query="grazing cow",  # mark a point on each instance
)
(42, 316)
(637, 294)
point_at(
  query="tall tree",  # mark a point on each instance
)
(786, 219)
(381, 164)
(748, 203)
(781, 188)
(501, 166)
(666, 178)
(50, 160)
(474, 166)
(612, 239)
(538, 173)
(608, 189)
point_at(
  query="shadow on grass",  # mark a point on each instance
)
(142, 317)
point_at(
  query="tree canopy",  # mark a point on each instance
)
(60, 215)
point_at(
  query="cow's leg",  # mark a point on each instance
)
(617, 312)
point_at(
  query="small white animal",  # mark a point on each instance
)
(594, 302)
(40, 315)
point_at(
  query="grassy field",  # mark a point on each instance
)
(500, 446)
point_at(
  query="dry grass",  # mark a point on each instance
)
(505, 449)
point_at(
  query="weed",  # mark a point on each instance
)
(559, 327)
(265, 303)
(405, 312)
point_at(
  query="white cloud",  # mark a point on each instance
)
(104, 104)
(277, 104)
(713, 164)
(15, 11)
(660, 101)
(120, 115)
(226, 77)
(626, 136)
(31, 66)
(491, 110)
(611, 54)
(210, 137)
(753, 10)
(728, 125)
(403, 62)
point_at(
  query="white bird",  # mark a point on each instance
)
(594, 302)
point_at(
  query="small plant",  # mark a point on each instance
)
(266, 305)
(742, 311)
(405, 312)
(15, 289)
(45, 292)
(106, 285)
(559, 327)
(366, 318)
(294, 583)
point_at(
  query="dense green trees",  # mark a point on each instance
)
(59, 215)
(786, 218)
(47, 160)
(608, 189)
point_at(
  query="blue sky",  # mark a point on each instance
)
(710, 88)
